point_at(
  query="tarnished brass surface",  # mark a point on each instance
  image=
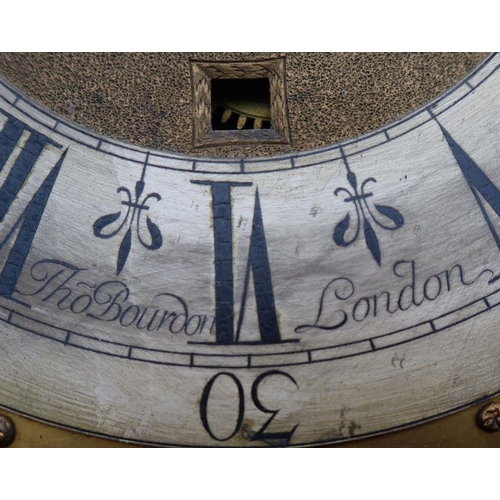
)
(7, 431)
(146, 99)
(456, 430)
(34, 434)
(488, 417)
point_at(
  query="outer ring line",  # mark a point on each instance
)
(53, 123)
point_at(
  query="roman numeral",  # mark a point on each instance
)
(478, 181)
(257, 265)
(27, 223)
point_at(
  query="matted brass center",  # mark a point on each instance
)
(312, 297)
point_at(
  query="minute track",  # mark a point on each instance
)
(273, 310)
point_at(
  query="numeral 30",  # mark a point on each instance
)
(279, 438)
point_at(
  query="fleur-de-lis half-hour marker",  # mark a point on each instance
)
(363, 212)
(134, 213)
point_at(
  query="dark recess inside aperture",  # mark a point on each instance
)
(241, 104)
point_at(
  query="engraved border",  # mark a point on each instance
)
(295, 445)
(245, 360)
(13, 99)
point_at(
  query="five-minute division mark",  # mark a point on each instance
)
(363, 212)
(249, 364)
(133, 215)
(273, 438)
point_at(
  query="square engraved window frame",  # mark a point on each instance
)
(203, 72)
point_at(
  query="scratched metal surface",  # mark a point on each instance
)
(295, 300)
(456, 430)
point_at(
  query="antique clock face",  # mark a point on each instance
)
(291, 300)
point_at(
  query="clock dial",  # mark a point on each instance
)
(292, 300)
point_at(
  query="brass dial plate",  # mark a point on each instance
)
(294, 300)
